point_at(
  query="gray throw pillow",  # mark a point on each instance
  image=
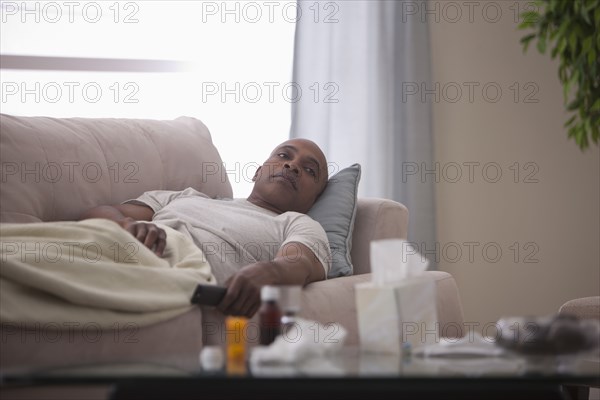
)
(335, 210)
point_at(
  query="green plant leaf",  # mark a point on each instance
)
(585, 16)
(525, 40)
(574, 105)
(570, 121)
(581, 138)
(525, 25)
(574, 77)
(595, 132)
(530, 18)
(566, 88)
(562, 45)
(587, 127)
(541, 44)
(586, 45)
(573, 42)
(563, 28)
(562, 73)
(592, 58)
(571, 132)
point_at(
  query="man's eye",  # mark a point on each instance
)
(311, 171)
(282, 155)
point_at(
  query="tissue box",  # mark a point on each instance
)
(391, 314)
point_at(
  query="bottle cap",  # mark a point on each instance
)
(211, 358)
(269, 293)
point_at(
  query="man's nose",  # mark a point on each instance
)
(292, 167)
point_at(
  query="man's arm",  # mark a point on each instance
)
(120, 213)
(294, 264)
(128, 216)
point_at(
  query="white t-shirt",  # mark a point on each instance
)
(233, 233)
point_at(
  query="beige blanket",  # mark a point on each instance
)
(93, 271)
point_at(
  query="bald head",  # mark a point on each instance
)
(291, 178)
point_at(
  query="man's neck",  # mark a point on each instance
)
(257, 201)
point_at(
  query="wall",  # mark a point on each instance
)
(542, 213)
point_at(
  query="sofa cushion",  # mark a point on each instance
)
(335, 210)
(56, 168)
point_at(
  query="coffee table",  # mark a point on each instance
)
(348, 374)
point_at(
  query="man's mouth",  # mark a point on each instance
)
(288, 178)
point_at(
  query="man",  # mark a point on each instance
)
(263, 240)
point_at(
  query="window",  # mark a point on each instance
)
(227, 63)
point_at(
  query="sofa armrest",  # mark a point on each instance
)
(586, 307)
(375, 219)
(333, 300)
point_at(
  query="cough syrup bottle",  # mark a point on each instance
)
(269, 315)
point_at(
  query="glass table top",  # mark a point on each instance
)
(349, 362)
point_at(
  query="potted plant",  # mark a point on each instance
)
(572, 29)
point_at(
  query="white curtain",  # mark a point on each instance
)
(358, 64)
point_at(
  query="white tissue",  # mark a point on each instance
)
(473, 345)
(306, 338)
(393, 260)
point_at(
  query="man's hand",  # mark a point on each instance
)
(294, 264)
(243, 289)
(148, 233)
(129, 216)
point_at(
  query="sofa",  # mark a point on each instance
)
(583, 308)
(55, 168)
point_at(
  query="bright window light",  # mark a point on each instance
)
(234, 67)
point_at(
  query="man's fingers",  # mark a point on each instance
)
(230, 297)
(151, 236)
(241, 299)
(131, 229)
(140, 232)
(250, 307)
(246, 302)
(254, 309)
(161, 244)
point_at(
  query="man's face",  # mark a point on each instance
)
(292, 177)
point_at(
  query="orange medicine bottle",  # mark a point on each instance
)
(269, 315)
(236, 345)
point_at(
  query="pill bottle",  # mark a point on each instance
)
(235, 329)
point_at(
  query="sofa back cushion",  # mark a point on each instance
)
(56, 168)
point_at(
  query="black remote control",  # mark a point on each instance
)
(208, 295)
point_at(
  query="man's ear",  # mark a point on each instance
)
(256, 174)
